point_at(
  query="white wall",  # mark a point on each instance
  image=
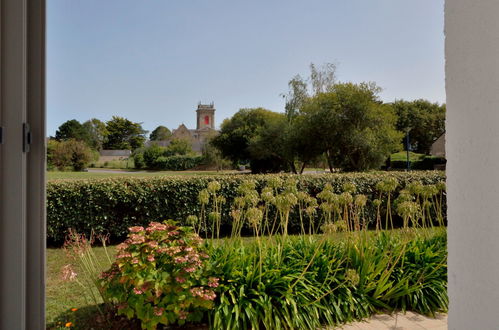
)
(472, 83)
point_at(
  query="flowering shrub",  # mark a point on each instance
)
(159, 276)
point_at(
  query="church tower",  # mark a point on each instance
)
(205, 116)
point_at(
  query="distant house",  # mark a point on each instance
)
(111, 155)
(438, 147)
(205, 128)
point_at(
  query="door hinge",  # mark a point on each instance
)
(26, 137)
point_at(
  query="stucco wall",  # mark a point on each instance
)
(472, 85)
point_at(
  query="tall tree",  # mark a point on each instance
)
(160, 133)
(124, 134)
(322, 78)
(355, 129)
(95, 133)
(237, 133)
(71, 129)
(424, 120)
(271, 147)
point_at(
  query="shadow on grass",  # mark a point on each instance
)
(89, 317)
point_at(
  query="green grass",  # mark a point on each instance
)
(402, 156)
(62, 295)
(124, 173)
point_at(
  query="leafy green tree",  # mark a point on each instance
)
(355, 129)
(424, 120)
(237, 133)
(151, 153)
(71, 129)
(178, 147)
(322, 79)
(68, 154)
(160, 133)
(270, 147)
(124, 134)
(95, 133)
(296, 96)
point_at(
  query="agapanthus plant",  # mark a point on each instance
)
(160, 276)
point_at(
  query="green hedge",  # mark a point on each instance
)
(177, 163)
(112, 205)
(425, 163)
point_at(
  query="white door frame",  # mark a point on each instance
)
(22, 173)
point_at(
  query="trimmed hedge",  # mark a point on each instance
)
(426, 163)
(112, 205)
(177, 163)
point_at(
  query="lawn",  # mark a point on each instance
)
(402, 156)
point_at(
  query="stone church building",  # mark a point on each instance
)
(205, 128)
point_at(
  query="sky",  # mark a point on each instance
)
(152, 61)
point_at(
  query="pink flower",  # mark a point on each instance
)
(158, 311)
(135, 261)
(122, 246)
(137, 291)
(68, 274)
(182, 315)
(180, 260)
(213, 282)
(137, 239)
(190, 269)
(156, 226)
(124, 255)
(174, 233)
(136, 229)
(188, 249)
(180, 279)
(153, 244)
(209, 295)
(150, 258)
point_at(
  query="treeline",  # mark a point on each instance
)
(342, 124)
(76, 144)
(346, 125)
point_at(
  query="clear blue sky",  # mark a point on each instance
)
(153, 61)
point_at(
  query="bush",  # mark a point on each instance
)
(113, 205)
(423, 163)
(177, 163)
(151, 154)
(72, 154)
(301, 282)
(160, 276)
(308, 282)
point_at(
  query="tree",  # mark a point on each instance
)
(213, 157)
(322, 78)
(354, 128)
(270, 148)
(296, 97)
(424, 120)
(237, 133)
(95, 133)
(70, 153)
(124, 134)
(160, 133)
(178, 147)
(71, 129)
